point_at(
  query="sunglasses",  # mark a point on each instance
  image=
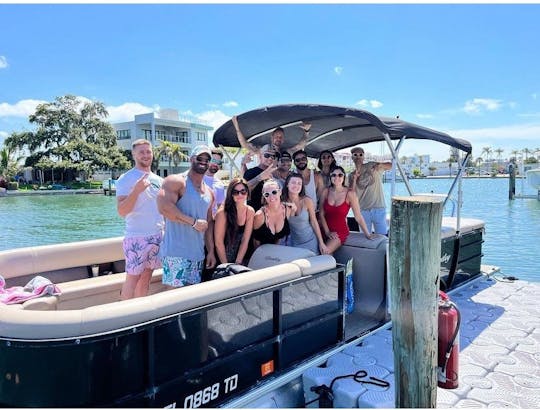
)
(358, 154)
(298, 159)
(337, 175)
(216, 161)
(268, 155)
(274, 192)
(202, 159)
(239, 192)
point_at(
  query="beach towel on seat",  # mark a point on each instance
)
(37, 287)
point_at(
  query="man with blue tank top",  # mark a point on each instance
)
(186, 203)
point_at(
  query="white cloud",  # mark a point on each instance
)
(230, 104)
(424, 116)
(370, 103)
(22, 108)
(214, 118)
(3, 62)
(127, 111)
(534, 96)
(338, 70)
(478, 105)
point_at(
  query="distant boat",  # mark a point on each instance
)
(533, 178)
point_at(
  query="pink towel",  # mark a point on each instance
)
(38, 286)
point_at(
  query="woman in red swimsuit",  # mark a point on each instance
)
(336, 202)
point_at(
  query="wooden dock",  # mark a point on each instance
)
(499, 362)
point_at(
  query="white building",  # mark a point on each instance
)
(166, 125)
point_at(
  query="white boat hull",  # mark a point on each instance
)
(533, 178)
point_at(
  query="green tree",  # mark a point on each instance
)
(8, 163)
(72, 138)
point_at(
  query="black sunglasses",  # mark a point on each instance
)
(358, 154)
(240, 192)
(202, 159)
(337, 175)
(268, 155)
(274, 192)
(298, 159)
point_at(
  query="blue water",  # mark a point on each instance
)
(511, 240)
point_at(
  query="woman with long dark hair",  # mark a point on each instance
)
(325, 165)
(233, 224)
(305, 230)
(336, 201)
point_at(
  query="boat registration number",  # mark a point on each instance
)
(209, 393)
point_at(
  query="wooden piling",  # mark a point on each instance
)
(511, 180)
(414, 267)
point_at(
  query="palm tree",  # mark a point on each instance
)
(499, 152)
(172, 151)
(8, 164)
(526, 151)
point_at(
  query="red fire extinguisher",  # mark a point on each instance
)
(448, 361)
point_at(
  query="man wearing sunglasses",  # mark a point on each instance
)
(300, 159)
(213, 182)
(256, 176)
(277, 139)
(367, 181)
(186, 203)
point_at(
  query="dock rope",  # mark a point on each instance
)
(325, 394)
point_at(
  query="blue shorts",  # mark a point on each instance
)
(178, 271)
(142, 253)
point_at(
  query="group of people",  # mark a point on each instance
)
(188, 223)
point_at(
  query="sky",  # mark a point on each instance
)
(472, 71)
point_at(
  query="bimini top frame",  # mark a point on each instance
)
(334, 128)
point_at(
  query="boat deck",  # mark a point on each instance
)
(499, 362)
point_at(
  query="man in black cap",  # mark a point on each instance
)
(283, 168)
(256, 176)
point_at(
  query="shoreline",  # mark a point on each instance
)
(53, 192)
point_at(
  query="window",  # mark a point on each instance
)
(201, 136)
(182, 136)
(123, 134)
(160, 135)
(147, 134)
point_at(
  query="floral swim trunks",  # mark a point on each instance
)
(178, 271)
(142, 252)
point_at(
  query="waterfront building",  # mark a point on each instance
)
(164, 125)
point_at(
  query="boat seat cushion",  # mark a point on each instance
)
(39, 260)
(271, 255)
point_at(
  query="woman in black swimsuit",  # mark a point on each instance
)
(270, 224)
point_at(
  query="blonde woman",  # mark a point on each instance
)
(234, 224)
(270, 224)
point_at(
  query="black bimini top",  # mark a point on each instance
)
(332, 128)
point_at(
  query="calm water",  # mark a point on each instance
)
(511, 240)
